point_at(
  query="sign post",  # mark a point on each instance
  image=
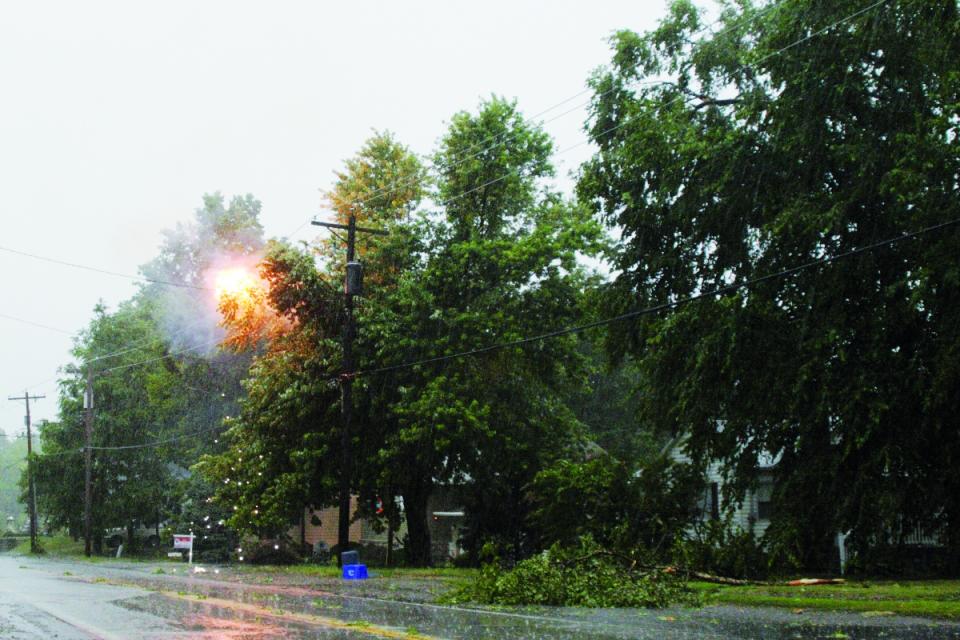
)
(184, 541)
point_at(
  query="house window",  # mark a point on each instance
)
(764, 509)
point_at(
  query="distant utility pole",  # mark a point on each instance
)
(32, 491)
(87, 464)
(352, 286)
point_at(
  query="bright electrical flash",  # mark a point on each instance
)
(236, 283)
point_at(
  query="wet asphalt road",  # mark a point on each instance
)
(41, 598)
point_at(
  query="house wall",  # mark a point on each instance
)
(327, 530)
(444, 529)
(361, 531)
(744, 515)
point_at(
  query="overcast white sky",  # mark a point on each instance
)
(115, 118)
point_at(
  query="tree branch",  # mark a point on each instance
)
(716, 102)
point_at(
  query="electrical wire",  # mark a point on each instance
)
(35, 324)
(156, 443)
(129, 447)
(628, 119)
(77, 265)
(172, 354)
(501, 138)
(720, 291)
(567, 149)
(130, 347)
(504, 177)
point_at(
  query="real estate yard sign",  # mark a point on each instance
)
(184, 541)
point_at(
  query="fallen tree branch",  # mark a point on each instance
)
(736, 582)
(633, 565)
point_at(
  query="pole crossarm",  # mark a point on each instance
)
(346, 227)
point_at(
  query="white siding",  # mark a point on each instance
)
(744, 515)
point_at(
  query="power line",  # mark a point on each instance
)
(814, 34)
(625, 121)
(156, 443)
(35, 324)
(500, 139)
(443, 203)
(117, 274)
(128, 447)
(720, 291)
(15, 464)
(129, 347)
(172, 354)
(679, 98)
(145, 445)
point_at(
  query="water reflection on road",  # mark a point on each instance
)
(227, 605)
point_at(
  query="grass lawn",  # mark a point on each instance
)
(929, 598)
(54, 545)
(65, 546)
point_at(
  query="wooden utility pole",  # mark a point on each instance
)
(88, 465)
(32, 490)
(352, 286)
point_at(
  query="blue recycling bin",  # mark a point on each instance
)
(354, 572)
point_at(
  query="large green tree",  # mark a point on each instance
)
(497, 262)
(128, 484)
(279, 457)
(284, 444)
(161, 385)
(796, 131)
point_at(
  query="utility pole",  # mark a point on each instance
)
(32, 491)
(352, 286)
(88, 464)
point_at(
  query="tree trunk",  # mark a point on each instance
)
(418, 529)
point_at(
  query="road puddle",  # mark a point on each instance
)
(331, 610)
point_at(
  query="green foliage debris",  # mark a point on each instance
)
(583, 576)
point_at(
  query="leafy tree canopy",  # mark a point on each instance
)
(794, 131)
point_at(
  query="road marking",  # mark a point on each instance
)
(303, 591)
(366, 628)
